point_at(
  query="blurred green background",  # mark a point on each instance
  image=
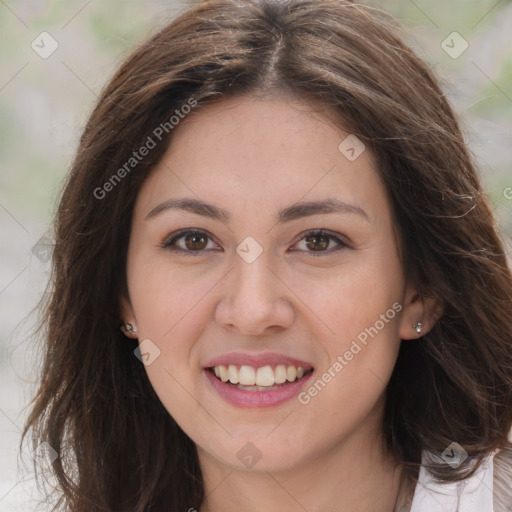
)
(44, 103)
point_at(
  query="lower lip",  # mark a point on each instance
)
(244, 398)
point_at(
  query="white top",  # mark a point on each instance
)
(472, 495)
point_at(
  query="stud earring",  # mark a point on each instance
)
(418, 326)
(128, 329)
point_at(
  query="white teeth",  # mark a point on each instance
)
(262, 377)
(223, 373)
(291, 373)
(247, 376)
(265, 376)
(280, 377)
(233, 376)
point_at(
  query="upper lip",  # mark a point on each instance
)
(256, 360)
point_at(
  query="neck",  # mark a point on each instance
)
(358, 475)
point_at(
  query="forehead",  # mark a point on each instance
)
(252, 153)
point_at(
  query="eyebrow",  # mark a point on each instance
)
(293, 212)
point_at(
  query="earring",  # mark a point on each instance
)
(128, 329)
(418, 326)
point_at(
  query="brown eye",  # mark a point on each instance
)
(195, 241)
(192, 242)
(317, 242)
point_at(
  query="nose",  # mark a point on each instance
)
(255, 300)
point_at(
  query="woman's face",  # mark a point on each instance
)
(253, 288)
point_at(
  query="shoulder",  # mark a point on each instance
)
(489, 489)
(503, 480)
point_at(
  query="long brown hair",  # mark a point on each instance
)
(118, 448)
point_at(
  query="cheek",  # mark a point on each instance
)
(361, 307)
(170, 309)
(360, 360)
(351, 298)
(166, 298)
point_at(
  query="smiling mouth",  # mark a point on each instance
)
(263, 378)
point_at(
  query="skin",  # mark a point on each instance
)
(253, 156)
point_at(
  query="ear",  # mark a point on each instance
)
(127, 315)
(418, 308)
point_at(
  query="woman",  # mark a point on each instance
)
(277, 284)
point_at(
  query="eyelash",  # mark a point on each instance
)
(168, 244)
